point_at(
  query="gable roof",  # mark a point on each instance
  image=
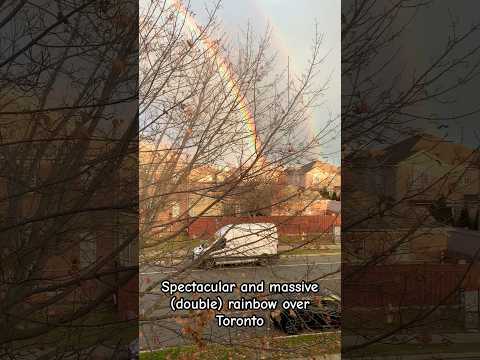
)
(320, 165)
(444, 150)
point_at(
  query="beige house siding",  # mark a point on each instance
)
(425, 245)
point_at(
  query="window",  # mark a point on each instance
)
(88, 251)
(420, 179)
(337, 232)
(231, 209)
(467, 178)
(236, 209)
(175, 178)
(128, 255)
(175, 210)
(403, 248)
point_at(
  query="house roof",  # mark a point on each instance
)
(444, 150)
(320, 165)
(316, 164)
(208, 170)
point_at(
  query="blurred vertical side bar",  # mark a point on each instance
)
(411, 179)
(68, 179)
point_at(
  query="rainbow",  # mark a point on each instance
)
(225, 72)
(284, 51)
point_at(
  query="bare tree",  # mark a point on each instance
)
(388, 216)
(68, 176)
(219, 124)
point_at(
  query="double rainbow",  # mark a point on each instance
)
(225, 73)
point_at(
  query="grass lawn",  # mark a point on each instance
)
(310, 252)
(182, 243)
(314, 240)
(276, 348)
(175, 247)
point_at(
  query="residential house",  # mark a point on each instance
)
(316, 175)
(205, 188)
(294, 200)
(403, 197)
(173, 190)
(424, 168)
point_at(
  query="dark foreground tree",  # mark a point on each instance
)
(68, 178)
(404, 180)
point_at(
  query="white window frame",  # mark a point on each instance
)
(420, 179)
(467, 177)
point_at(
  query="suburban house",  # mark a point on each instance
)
(175, 193)
(423, 168)
(316, 175)
(291, 199)
(433, 186)
(412, 231)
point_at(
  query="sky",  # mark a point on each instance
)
(428, 38)
(455, 114)
(293, 24)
